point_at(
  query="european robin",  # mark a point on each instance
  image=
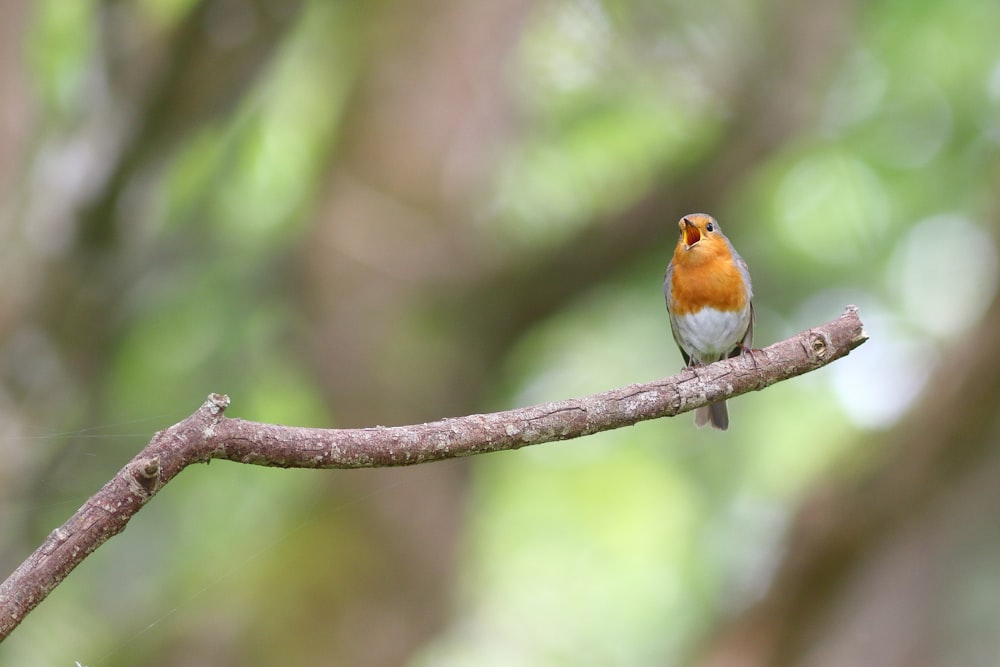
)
(708, 294)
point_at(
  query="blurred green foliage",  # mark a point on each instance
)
(624, 548)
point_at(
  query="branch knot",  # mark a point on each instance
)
(819, 344)
(146, 476)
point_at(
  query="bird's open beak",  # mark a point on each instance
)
(690, 231)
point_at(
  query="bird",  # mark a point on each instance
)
(709, 301)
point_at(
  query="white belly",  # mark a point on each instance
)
(710, 334)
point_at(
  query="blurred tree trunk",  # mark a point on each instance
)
(392, 235)
(881, 561)
(14, 113)
(15, 110)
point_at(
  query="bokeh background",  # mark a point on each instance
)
(356, 213)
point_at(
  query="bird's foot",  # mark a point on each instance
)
(748, 351)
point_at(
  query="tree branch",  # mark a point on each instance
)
(208, 434)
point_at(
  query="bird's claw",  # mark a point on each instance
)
(748, 351)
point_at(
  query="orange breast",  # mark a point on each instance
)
(706, 276)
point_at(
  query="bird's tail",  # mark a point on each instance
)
(715, 414)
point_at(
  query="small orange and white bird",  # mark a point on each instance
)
(708, 292)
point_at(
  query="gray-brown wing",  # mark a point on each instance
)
(666, 297)
(747, 341)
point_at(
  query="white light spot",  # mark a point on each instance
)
(945, 274)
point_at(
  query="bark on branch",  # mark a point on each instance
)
(208, 434)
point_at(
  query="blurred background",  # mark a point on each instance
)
(358, 213)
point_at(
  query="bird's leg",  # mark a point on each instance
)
(744, 350)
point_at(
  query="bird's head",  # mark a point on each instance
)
(699, 228)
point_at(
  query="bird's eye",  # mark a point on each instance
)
(710, 227)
